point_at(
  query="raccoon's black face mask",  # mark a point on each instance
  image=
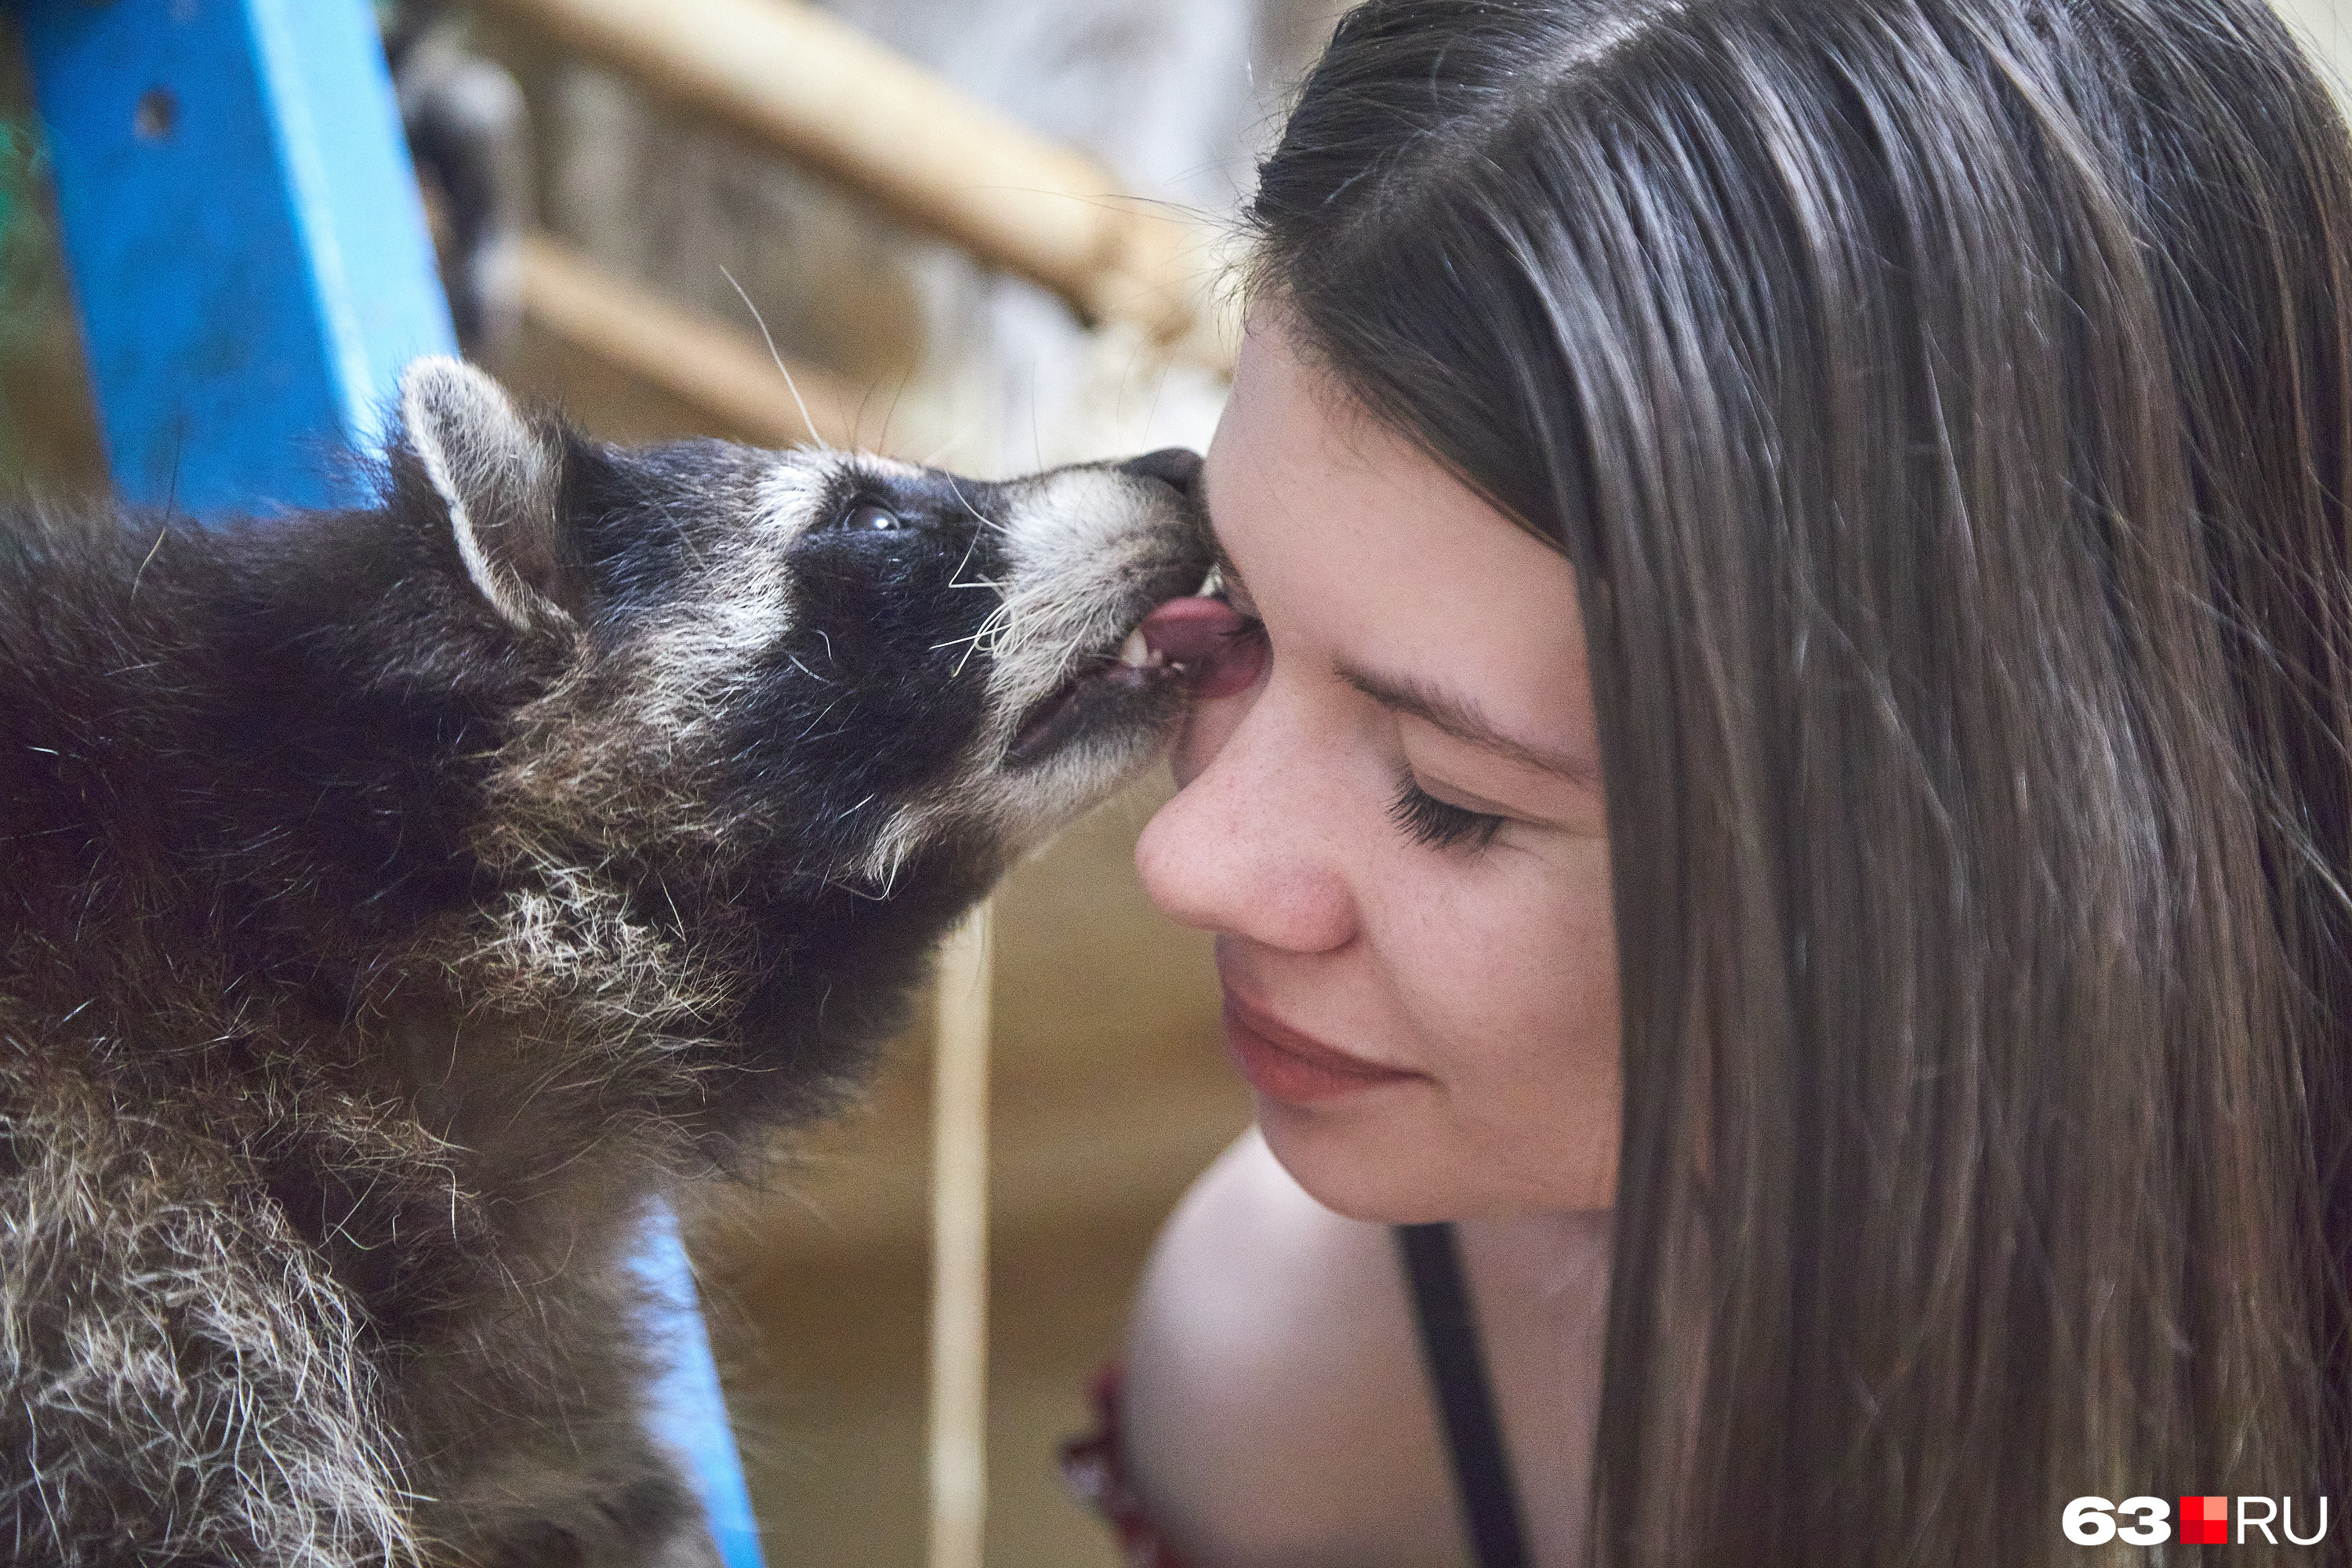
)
(813, 664)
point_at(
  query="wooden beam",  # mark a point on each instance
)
(831, 99)
(725, 372)
(959, 1380)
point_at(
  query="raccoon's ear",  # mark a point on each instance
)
(502, 478)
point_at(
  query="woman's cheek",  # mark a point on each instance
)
(1536, 1077)
(1523, 960)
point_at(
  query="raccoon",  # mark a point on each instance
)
(392, 899)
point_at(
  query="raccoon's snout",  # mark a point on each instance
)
(1178, 467)
(1076, 705)
(1090, 551)
(1120, 683)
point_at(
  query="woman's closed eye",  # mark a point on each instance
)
(1438, 824)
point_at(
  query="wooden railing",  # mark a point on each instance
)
(818, 92)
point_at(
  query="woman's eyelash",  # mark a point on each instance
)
(1440, 827)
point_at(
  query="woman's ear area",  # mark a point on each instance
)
(498, 475)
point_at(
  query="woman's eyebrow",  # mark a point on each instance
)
(1460, 718)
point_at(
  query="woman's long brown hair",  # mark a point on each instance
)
(1944, 406)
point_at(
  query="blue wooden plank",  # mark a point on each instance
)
(247, 243)
(689, 1412)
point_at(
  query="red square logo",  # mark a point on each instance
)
(2205, 1520)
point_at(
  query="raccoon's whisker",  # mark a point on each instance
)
(891, 414)
(857, 420)
(991, 631)
(980, 633)
(804, 669)
(972, 544)
(968, 549)
(819, 442)
(950, 444)
(978, 515)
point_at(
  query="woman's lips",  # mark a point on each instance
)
(1283, 1064)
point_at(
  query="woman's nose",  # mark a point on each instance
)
(1253, 845)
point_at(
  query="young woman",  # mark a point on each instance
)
(1789, 768)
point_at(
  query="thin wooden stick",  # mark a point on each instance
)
(959, 1414)
(833, 101)
(716, 368)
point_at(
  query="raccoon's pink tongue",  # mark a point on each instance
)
(1210, 638)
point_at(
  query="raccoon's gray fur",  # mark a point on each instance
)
(391, 900)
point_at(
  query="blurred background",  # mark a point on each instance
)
(634, 260)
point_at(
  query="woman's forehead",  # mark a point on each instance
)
(1352, 542)
(1287, 412)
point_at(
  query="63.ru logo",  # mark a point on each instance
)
(2204, 1520)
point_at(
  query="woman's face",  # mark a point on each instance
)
(1396, 830)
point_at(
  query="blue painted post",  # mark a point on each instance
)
(252, 266)
(245, 238)
(689, 1413)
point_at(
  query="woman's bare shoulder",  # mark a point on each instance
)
(1275, 1409)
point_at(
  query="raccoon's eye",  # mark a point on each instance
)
(870, 516)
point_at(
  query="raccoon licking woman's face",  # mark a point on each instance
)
(424, 885)
(816, 665)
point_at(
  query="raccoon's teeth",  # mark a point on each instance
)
(1137, 652)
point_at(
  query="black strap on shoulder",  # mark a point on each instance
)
(1465, 1398)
